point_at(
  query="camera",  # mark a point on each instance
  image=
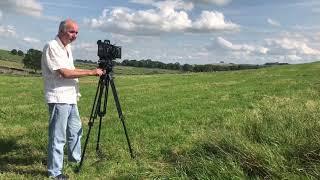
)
(107, 51)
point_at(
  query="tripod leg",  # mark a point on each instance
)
(99, 132)
(116, 100)
(93, 115)
(85, 146)
(102, 113)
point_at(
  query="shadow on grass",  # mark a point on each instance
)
(19, 159)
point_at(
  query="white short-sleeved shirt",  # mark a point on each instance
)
(58, 89)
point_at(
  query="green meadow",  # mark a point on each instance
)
(250, 124)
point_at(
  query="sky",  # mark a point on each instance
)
(183, 31)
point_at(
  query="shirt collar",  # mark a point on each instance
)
(60, 43)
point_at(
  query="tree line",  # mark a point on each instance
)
(32, 60)
(187, 67)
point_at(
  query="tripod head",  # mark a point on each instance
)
(106, 65)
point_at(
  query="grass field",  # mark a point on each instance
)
(257, 124)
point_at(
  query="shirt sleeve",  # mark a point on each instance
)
(55, 60)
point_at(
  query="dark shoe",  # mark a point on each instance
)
(61, 177)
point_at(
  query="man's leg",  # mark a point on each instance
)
(74, 133)
(59, 114)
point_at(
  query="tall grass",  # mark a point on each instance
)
(256, 124)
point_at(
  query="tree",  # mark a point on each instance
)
(20, 53)
(187, 67)
(32, 59)
(14, 52)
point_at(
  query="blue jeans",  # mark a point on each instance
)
(64, 125)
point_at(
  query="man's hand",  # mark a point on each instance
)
(98, 72)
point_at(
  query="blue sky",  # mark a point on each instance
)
(184, 31)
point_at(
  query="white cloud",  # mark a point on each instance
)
(248, 49)
(293, 57)
(292, 46)
(273, 22)
(31, 40)
(143, 1)
(0, 14)
(286, 47)
(149, 22)
(8, 31)
(213, 21)
(168, 16)
(171, 5)
(27, 7)
(217, 2)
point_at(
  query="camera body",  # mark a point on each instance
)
(107, 51)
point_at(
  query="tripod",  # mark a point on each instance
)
(101, 96)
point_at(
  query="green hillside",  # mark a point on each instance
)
(7, 56)
(7, 60)
(251, 124)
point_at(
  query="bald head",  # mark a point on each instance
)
(68, 31)
(65, 24)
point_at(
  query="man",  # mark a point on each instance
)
(61, 94)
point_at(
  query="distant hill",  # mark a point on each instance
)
(7, 56)
(12, 64)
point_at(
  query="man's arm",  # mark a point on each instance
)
(76, 73)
